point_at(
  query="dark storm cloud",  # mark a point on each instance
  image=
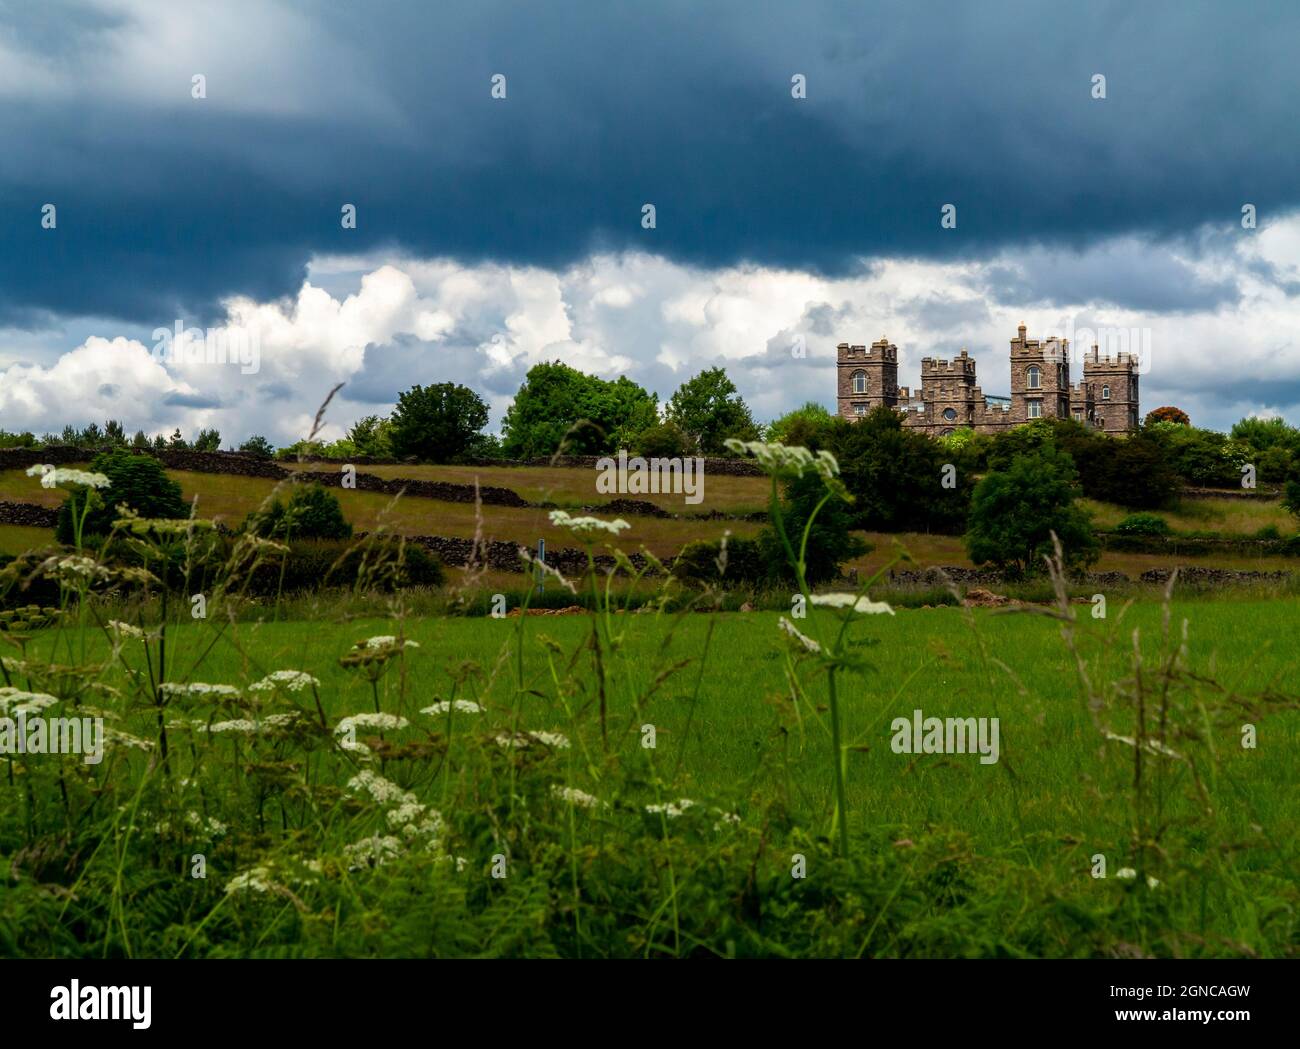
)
(164, 206)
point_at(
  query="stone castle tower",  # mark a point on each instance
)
(1106, 397)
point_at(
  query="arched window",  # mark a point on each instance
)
(1105, 393)
(950, 414)
(859, 382)
(1033, 377)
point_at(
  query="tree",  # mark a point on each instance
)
(207, 441)
(897, 477)
(559, 409)
(831, 541)
(139, 440)
(665, 441)
(806, 427)
(177, 440)
(709, 410)
(1015, 511)
(372, 437)
(137, 481)
(437, 423)
(114, 433)
(258, 446)
(1167, 414)
(311, 512)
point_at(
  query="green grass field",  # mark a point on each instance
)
(950, 856)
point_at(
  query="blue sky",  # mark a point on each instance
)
(495, 233)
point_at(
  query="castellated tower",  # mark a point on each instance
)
(868, 378)
(949, 392)
(1040, 378)
(1114, 387)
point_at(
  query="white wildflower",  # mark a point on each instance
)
(198, 689)
(670, 809)
(379, 721)
(463, 706)
(861, 605)
(576, 797)
(75, 566)
(112, 735)
(781, 458)
(15, 701)
(387, 641)
(372, 852)
(523, 739)
(240, 726)
(53, 476)
(293, 680)
(587, 525)
(384, 791)
(793, 631)
(1154, 746)
(256, 879)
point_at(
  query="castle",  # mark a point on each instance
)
(1106, 398)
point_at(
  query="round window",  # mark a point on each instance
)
(950, 414)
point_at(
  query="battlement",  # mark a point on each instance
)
(883, 350)
(1121, 361)
(938, 367)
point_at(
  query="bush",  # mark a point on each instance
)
(1014, 513)
(136, 481)
(312, 512)
(313, 565)
(1143, 524)
(436, 423)
(896, 476)
(831, 541)
(257, 445)
(666, 441)
(697, 563)
(1268, 532)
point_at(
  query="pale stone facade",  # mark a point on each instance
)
(1106, 397)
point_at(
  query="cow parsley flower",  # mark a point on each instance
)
(861, 605)
(554, 740)
(198, 690)
(462, 706)
(382, 790)
(576, 797)
(15, 701)
(54, 476)
(584, 526)
(788, 460)
(293, 680)
(255, 879)
(387, 641)
(379, 721)
(671, 809)
(807, 642)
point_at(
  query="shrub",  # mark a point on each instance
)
(698, 562)
(1014, 513)
(1268, 532)
(311, 512)
(1143, 524)
(667, 441)
(830, 540)
(136, 481)
(257, 445)
(313, 565)
(436, 423)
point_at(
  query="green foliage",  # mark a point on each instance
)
(1168, 414)
(896, 476)
(709, 410)
(313, 564)
(208, 441)
(1015, 511)
(436, 423)
(18, 440)
(831, 541)
(665, 441)
(1261, 434)
(1200, 457)
(311, 512)
(136, 481)
(1143, 524)
(808, 426)
(702, 563)
(560, 409)
(372, 437)
(258, 446)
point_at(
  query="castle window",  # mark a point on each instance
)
(1078, 417)
(859, 409)
(949, 414)
(859, 382)
(1105, 393)
(1033, 377)
(1035, 409)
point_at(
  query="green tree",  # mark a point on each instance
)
(808, 426)
(897, 477)
(665, 441)
(136, 481)
(312, 512)
(437, 423)
(1015, 511)
(258, 446)
(560, 409)
(372, 437)
(207, 441)
(709, 409)
(831, 541)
